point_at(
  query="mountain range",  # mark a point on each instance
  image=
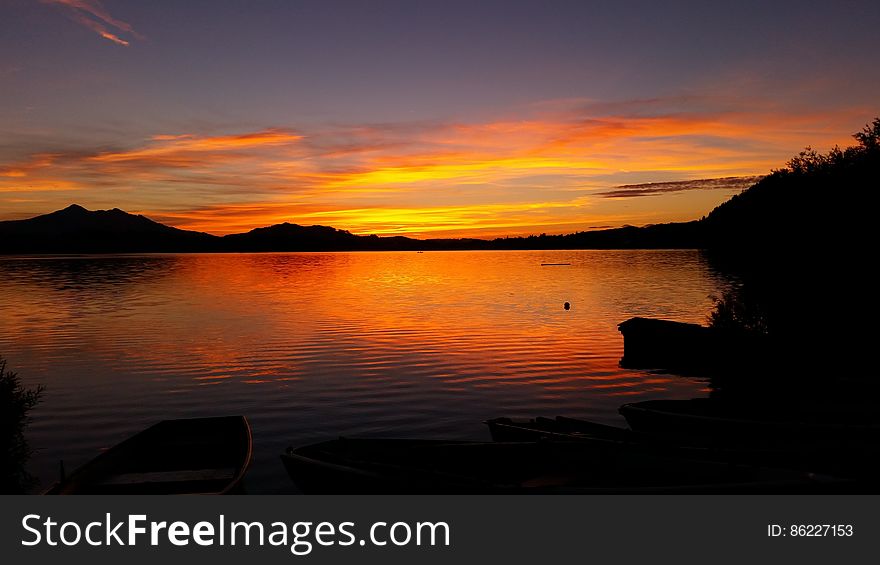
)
(77, 230)
(816, 201)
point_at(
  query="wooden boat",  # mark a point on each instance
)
(690, 348)
(363, 466)
(559, 428)
(840, 459)
(190, 456)
(718, 422)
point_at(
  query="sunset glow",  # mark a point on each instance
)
(551, 162)
(435, 247)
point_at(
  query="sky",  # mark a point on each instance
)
(423, 118)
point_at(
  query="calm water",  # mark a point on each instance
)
(310, 346)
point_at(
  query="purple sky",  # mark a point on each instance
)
(419, 117)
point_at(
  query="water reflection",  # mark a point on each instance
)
(311, 345)
(90, 274)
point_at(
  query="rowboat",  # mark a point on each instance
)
(840, 459)
(189, 456)
(404, 466)
(559, 428)
(735, 423)
(650, 343)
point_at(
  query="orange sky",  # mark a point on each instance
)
(431, 119)
(553, 171)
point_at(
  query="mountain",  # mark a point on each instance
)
(292, 237)
(77, 230)
(816, 202)
(684, 235)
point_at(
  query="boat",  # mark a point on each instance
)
(188, 456)
(559, 428)
(730, 423)
(840, 459)
(650, 343)
(405, 466)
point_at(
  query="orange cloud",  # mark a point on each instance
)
(100, 30)
(547, 173)
(91, 14)
(185, 148)
(35, 161)
(440, 220)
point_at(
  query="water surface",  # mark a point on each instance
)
(311, 346)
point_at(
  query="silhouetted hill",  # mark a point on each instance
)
(292, 237)
(799, 244)
(77, 230)
(814, 201)
(660, 236)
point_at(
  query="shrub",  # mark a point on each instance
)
(15, 403)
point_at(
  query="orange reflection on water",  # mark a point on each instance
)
(310, 345)
(477, 317)
(314, 345)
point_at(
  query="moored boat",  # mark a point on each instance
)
(559, 428)
(365, 466)
(729, 423)
(650, 343)
(839, 459)
(188, 456)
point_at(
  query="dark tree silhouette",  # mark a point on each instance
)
(869, 137)
(15, 403)
(799, 243)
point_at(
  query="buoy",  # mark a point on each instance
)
(567, 306)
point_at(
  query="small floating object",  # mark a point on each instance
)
(567, 306)
(554, 264)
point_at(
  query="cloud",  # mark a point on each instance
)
(657, 188)
(91, 14)
(9, 70)
(188, 148)
(561, 171)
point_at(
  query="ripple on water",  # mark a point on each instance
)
(313, 346)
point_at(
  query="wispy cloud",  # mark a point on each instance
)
(555, 172)
(187, 148)
(9, 70)
(658, 188)
(93, 15)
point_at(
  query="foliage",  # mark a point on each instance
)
(15, 403)
(798, 241)
(740, 309)
(809, 161)
(869, 137)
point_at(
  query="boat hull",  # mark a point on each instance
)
(390, 466)
(190, 456)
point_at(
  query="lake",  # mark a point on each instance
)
(312, 346)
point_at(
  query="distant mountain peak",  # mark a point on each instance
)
(77, 209)
(76, 229)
